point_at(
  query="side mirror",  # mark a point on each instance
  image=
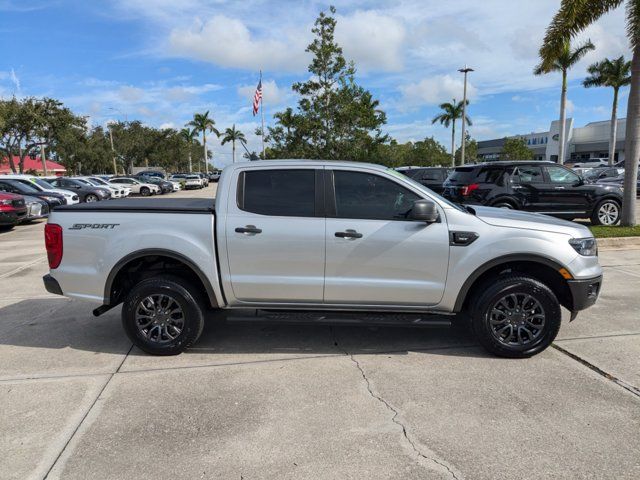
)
(424, 211)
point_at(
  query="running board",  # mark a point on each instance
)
(344, 318)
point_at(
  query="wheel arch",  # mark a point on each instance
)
(543, 268)
(154, 257)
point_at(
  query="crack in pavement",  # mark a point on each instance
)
(439, 465)
(627, 386)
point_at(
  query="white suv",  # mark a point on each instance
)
(136, 186)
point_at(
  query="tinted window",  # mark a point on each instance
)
(287, 193)
(463, 175)
(529, 174)
(430, 174)
(363, 195)
(562, 175)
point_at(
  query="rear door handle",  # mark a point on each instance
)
(249, 229)
(348, 234)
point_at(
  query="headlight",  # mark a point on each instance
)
(585, 246)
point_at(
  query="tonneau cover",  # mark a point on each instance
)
(150, 205)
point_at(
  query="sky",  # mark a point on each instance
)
(159, 61)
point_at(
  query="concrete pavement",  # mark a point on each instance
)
(256, 402)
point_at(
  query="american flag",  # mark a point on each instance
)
(257, 98)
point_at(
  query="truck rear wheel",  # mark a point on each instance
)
(515, 316)
(163, 315)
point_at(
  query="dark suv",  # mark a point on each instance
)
(430, 177)
(535, 186)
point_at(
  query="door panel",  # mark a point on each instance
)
(284, 260)
(386, 260)
(561, 193)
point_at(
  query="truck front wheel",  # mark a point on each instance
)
(515, 316)
(163, 315)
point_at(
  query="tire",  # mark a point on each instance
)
(145, 192)
(90, 198)
(515, 333)
(166, 334)
(607, 212)
(504, 204)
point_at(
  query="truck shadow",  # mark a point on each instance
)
(56, 324)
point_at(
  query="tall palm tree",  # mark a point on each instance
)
(451, 112)
(188, 134)
(572, 18)
(232, 135)
(563, 60)
(616, 74)
(203, 123)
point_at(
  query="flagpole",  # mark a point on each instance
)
(262, 114)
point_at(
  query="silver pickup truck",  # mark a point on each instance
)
(323, 242)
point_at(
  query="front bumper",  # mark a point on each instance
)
(584, 292)
(52, 285)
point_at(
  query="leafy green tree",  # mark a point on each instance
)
(232, 135)
(189, 135)
(564, 59)
(28, 123)
(451, 112)
(203, 123)
(572, 18)
(427, 152)
(515, 148)
(335, 118)
(616, 74)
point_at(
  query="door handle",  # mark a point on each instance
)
(348, 234)
(248, 229)
(559, 188)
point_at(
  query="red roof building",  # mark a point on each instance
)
(31, 164)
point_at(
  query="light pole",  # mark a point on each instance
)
(464, 70)
(113, 151)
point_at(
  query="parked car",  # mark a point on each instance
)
(13, 209)
(535, 186)
(122, 190)
(214, 175)
(591, 163)
(323, 242)
(430, 177)
(189, 180)
(36, 208)
(205, 179)
(42, 185)
(137, 187)
(87, 192)
(592, 175)
(165, 186)
(10, 185)
(116, 191)
(150, 173)
(619, 181)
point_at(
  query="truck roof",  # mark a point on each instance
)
(304, 162)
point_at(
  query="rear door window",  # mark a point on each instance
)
(433, 175)
(528, 174)
(285, 193)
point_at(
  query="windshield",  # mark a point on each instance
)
(424, 189)
(42, 184)
(83, 181)
(98, 181)
(23, 187)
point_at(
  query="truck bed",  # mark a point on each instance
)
(146, 205)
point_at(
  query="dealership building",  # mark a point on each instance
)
(582, 143)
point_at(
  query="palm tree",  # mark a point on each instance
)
(232, 135)
(610, 73)
(451, 113)
(203, 123)
(572, 18)
(188, 134)
(564, 59)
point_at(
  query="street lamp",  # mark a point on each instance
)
(464, 70)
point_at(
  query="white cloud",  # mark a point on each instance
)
(373, 40)
(131, 94)
(437, 89)
(228, 42)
